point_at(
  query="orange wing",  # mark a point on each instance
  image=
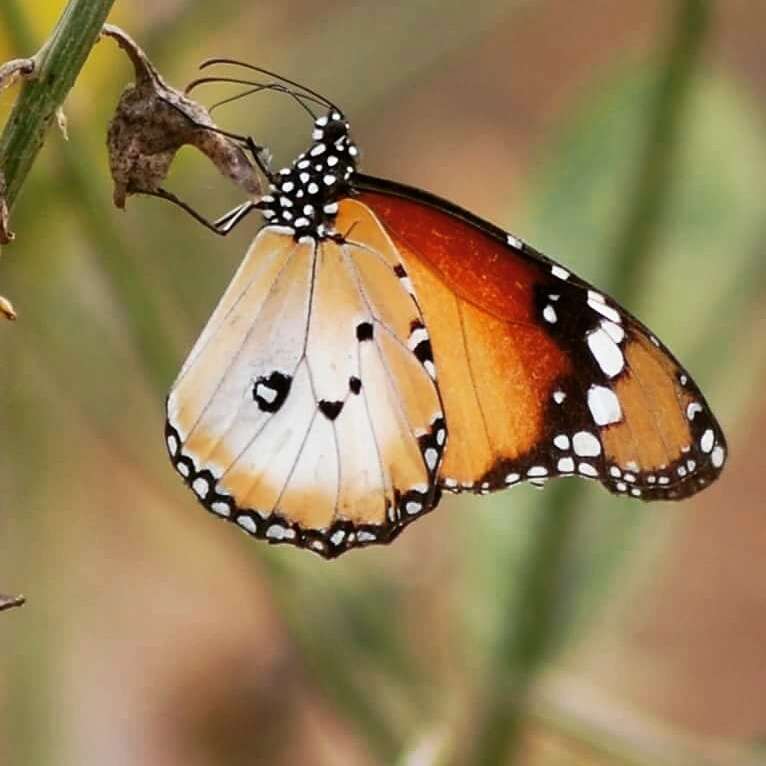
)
(540, 375)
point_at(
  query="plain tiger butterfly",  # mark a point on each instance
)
(379, 346)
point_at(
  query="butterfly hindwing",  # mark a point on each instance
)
(303, 412)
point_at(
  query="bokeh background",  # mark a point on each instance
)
(625, 139)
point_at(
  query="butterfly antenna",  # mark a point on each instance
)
(234, 62)
(256, 87)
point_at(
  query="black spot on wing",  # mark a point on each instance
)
(364, 331)
(270, 391)
(423, 351)
(354, 384)
(330, 410)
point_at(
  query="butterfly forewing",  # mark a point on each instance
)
(540, 374)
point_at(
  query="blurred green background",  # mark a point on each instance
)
(625, 139)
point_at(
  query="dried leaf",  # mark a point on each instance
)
(153, 121)
(6, 309)
(9, 602)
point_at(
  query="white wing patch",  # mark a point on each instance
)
(306, 411)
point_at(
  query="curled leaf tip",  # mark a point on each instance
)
(6, 309)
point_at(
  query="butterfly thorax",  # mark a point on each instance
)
(304, 196)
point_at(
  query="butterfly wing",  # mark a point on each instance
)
(540, 374)
(304, 412)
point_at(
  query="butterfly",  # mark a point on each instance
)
(379, 346)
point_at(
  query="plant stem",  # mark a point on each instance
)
(654, 183)
(58, 63)
(120, 263)
(528, 635)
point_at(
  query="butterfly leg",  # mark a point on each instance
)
(222, 226)
(228, 221)
(260, 154)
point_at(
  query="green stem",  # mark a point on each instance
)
(526, 640)
(58, 63)
(654, 184)
(121, 263)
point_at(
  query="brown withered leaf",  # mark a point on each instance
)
(6, 309)
(10, 602)
(152, 122)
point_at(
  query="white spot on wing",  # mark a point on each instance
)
(560, 272)
(717, 456)
(707, 440)
(278, 532)
(201, 487)
(514, 241)
(222, 509)
(596, 302)
(417, 335)
(266, 393)
(606, 352)
(614, 331)
(549, 314)
(693, 409)
(604, 405)
(586, 444)
(247, 524)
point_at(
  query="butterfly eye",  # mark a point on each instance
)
(334, 131)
